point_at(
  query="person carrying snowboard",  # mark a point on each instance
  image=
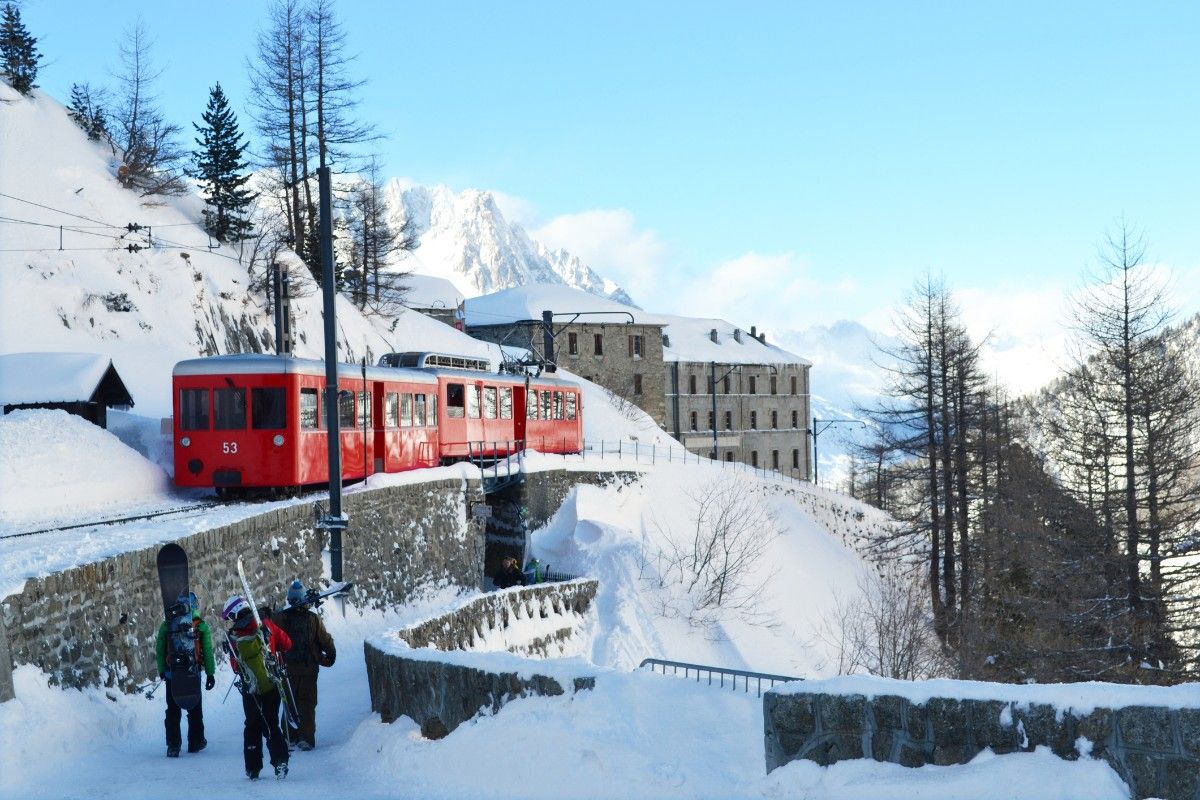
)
(312, 648)
(203, 655)
(251, 654)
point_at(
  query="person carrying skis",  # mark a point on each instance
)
(312, 648)
(203, 654)
(251, 653)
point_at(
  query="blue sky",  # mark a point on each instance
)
(842, 148)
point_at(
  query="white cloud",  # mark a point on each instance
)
(609, 241)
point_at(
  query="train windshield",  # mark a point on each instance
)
(229, 409)
(193, 409)
(268, 409)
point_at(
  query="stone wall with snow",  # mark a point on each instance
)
(443, 671)
(1150, 736)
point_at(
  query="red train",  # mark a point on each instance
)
(253, 421)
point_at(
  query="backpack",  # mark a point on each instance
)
(297, 625)
(252, 663)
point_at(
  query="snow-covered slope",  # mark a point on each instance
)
(466, 239)
(176, 298)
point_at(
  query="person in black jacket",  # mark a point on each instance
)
(509, 575)
(312, 648)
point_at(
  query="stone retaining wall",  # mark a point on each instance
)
(95, 624)
(442, 693)
(1155, 750)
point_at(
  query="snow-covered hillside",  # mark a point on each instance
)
(176, 298)
(466, 239)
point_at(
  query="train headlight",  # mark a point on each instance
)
(186, 441)
(278, 440)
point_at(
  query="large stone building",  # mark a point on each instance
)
(664, 364)
(614, 345)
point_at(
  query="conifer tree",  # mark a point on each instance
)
(87, 111)
(18, 51)
(220, 168)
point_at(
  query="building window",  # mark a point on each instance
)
(795, 419)
(774, 459)
(598, 344)
(637, 383)
(728, 420)
(774, 385)
(636, 345)
(795, 459)
(753, 420)
(753, 385)
(573, 344)
(775, 420)
(695, 422)
(793, 387)
(729, 456)
(691, 384)
(710, 421)
(754, 458)
(726, 384)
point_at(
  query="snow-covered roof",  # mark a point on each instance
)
(426, 291)
(690, 337)
(52, 377)
(269, 364)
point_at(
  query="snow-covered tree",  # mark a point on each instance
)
(219, 167)
(19, 56)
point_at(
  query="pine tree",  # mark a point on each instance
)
(18, 51)
(220, 168)
(87, 112)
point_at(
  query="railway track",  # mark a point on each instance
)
(119, 520)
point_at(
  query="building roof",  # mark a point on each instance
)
(36, 378)
(690, 338)
(428, 292)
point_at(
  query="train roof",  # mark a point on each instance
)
(269, 364)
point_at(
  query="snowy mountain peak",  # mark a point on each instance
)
(466, 239)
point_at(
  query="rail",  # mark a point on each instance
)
(721, 672)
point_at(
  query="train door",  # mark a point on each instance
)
(518, 411)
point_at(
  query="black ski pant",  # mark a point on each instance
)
(195, 722)
(304, 689)
(262, 721)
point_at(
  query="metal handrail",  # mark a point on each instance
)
(734, 674)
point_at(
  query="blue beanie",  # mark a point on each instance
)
(295, 595)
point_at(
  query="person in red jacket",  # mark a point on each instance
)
(251, 652)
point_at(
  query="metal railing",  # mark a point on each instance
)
(489, 461)
(721, 672)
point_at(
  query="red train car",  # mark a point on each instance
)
(252, 421)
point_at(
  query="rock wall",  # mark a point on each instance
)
(1155, 750)
(441, 693)
(95, 624)
(6, 680)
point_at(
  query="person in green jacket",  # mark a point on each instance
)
(203, 655)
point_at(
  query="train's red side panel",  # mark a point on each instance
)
(259, 421)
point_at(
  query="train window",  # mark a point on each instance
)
(392, 411)
(406, 405)
(506, 402)
(268, 409)
(193, 409)
(309, 419)
(345, 410)
(531, 404)
(432, 417)
(545, 405)
(558, 405)
(489, 402)
(419, 410)
(571, 401)
(364, 411)
(455, 399)
(473, 402)
(229, 409)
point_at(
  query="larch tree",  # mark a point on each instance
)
(374, 241)
(147, 142)
(219, 167)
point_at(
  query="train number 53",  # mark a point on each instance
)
(228, 447)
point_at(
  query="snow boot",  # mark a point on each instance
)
(281, 771)
(252, 774)
(303, 745)
(173, 752)
(196, 748)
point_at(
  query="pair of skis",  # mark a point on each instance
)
(275, 666)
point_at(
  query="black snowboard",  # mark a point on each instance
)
(181, 635)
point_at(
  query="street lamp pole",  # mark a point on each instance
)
(819, 426)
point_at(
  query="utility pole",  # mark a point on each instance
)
(819, 426)
(334, 522)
